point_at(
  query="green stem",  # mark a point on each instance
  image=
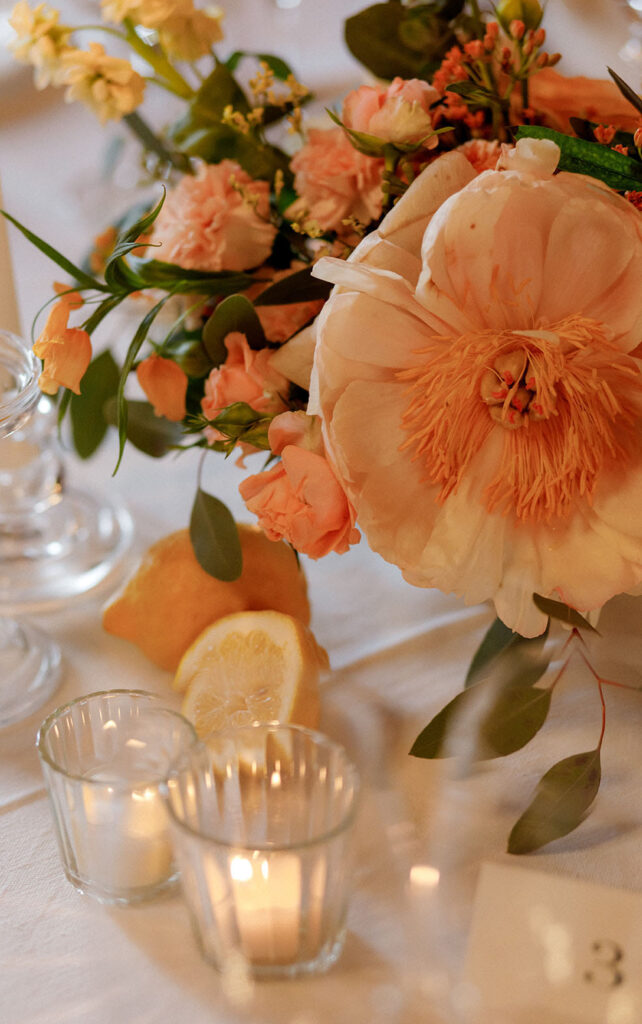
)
(390, 156)
(150, 141)
(158, 61)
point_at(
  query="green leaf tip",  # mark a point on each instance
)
(562, 800)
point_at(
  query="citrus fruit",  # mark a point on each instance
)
(252, 667)
(170, 599)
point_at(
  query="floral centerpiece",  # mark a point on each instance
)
(424, 318)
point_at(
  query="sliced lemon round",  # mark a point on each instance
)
(249, 667)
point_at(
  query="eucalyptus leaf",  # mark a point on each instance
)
(235, 313)
(154, 435)
(626, 90)
(80, 277)
(217, 142)
(215, 538)
(507, 716)
(562, 612)
(562, 800)
(373, 37)
(219, 90)
(88, 423)
(616, 170)
(501, 642)
(300, 286)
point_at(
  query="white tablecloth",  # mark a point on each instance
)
(397, 655)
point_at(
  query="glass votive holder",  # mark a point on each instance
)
(261, 818)
(104, 757)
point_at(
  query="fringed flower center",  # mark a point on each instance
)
(567, 398)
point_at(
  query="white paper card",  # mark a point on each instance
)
(542, 943)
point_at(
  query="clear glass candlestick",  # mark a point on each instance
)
(56, 542)
(261, 819)
(104, 757)
(29, 660)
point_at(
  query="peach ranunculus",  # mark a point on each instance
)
(479, 397)
(398, 114)
(335, 182)
(560, 98)
(165, 386)
(217, 219)
(245, 376)
(65, 351)
(300, 500)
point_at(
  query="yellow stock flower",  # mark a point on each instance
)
(107, 85)
(190, 33)
(40, 41)
(184, 31)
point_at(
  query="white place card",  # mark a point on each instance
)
(544, 947)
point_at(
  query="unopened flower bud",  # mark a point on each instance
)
(554, 58)
(517, 29)
(637, 137)
(542, 60)
(528, 11)
(540, 37)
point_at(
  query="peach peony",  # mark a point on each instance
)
(335, 182)
(207, 224)
(398, 114)
(65, 351)
(165, 386)
(479, 398)
(300, 500)
(245, 376)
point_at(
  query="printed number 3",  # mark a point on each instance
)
(607, 957)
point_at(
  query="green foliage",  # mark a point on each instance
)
(562, 800)
(279, 68)
(235, 313)
(154, 435)
(81, 278)
(239, 422)
(391, 39)
(498, 720)
(88, 422)
(616, 170)
(626, 90)
(300, 286)
(215, 538)
(501, 643)
(562, 612)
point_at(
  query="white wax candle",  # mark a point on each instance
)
(121, 838)
(9, 318)
(267, 902)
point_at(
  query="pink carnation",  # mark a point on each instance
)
(400, 113)
(301, 500)
(245, 376)
(206, 224)
(334, 181)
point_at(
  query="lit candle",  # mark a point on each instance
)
(267, 903)
(121, 841)
(9, 319)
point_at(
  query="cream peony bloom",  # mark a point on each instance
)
(40, 41)
(480, 400)
(107, 85)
